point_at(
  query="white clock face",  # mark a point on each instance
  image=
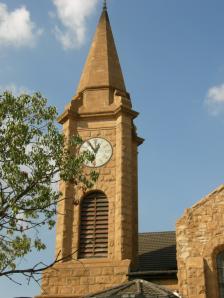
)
(101, 149)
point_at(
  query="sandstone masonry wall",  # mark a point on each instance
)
(118, 180)
(200, 236)
(77, 279)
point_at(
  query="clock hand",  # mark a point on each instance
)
(91, 147)
(97, 147)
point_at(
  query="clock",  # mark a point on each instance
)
(100, 148)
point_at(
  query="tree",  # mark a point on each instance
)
(34, 155)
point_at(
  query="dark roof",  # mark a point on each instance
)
(157, 251)
(137, 288)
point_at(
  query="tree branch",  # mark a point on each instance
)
(34, 269)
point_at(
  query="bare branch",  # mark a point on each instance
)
(35, 269)
(13, 280)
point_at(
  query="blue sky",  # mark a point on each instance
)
(172, 56)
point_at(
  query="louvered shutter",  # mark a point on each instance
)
(93, 242)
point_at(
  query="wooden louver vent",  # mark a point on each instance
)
(93, 242)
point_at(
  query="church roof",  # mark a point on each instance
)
(102, 68)
(136, 288)
(157, 253)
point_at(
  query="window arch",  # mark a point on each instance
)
(220, 269)
(93, 237)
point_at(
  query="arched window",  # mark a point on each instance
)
(93, 240)
(220, 269)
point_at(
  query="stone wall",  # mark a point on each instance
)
(111, 119)
(105, 183)
(77, 279)
(200, 236)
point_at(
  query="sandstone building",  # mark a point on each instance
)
(102, 228)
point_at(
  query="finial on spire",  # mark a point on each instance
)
(104, 4)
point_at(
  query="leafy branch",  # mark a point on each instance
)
(34, 156)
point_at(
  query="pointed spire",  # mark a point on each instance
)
(102, 68)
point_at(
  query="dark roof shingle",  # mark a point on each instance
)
(157, 251)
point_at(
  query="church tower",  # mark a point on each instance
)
(102, 225)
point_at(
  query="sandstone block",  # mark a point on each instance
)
(65, 290)
(87, 280)
(73, 281)
(80, 290)
(80, 272)
(95, 271)
(103, 279)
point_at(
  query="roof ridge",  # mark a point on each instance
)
(154, 232)
(114, 289)
(142, 286)
(156, 287)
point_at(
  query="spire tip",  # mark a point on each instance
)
(104, 4)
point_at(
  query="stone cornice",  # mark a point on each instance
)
(70, 114)
(139, 140)
(117, 92)
(67, 114)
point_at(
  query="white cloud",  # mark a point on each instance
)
(216, 94)
(73, 15)
(215, 99)
(16, 90)
(16, 27)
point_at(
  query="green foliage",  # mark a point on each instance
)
(32, 154)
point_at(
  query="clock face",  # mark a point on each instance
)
(101, 149)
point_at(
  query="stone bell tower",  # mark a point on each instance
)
(102, 228)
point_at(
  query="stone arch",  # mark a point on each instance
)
(210, 252)
(213, 246)
(95, 190)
